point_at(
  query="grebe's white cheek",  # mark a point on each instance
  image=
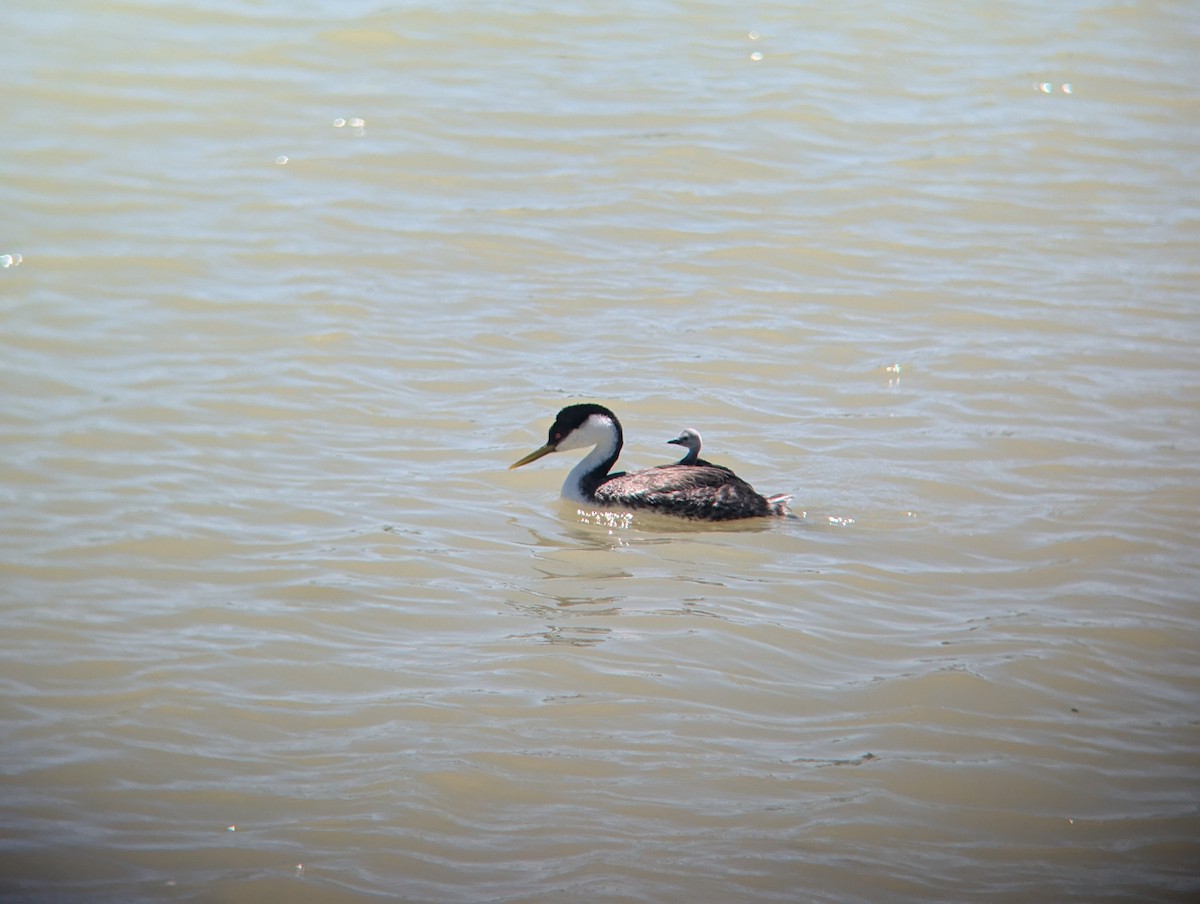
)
(591, 432)
(568, 442)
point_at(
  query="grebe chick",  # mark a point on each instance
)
(699, 491)
(690, 440)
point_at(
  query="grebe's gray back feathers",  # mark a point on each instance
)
(704, 492)
(701, 491)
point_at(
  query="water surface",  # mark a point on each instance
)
(290, 286)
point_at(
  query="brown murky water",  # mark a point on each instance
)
(288, 288)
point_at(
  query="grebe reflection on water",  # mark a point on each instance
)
(700, 491)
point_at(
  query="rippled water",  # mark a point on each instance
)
(287, 287)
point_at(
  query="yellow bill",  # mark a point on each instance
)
(533, 456)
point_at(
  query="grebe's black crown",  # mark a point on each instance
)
(573, 416)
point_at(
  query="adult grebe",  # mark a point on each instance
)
(697, 491)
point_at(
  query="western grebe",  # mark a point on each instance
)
(690, 440)
(697, 491)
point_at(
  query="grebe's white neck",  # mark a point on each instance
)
(604, 436)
